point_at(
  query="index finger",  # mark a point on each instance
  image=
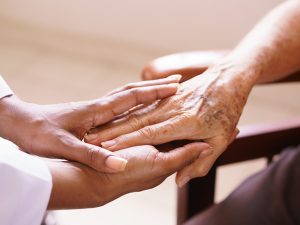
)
(175, 78)
(121, 102)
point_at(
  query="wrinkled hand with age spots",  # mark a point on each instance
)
(205, 108)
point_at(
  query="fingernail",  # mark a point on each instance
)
(90, 137)
(108, 144)
(116, 163)
(176, 76)
(183, 181)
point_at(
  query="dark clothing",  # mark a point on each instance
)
(271, 197)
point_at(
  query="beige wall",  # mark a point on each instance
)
(44, 63)
(170, 25)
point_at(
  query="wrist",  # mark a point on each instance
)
(257, 62)
(235, 74)
(77, 186)
(226, 81)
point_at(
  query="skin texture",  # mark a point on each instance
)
(78, 186)
(209, 106)
(193, 113)
(205, 108)
(57, 131)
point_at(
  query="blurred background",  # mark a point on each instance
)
(57, 51)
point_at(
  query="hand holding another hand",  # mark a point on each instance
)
(205, 108)
(57, 131)
(78, 186)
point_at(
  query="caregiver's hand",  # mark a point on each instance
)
(206, 108)
(77, 186)
(57, 130)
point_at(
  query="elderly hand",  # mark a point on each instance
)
(57, 130)
(187, 64)
(77, 186)
(205, 108)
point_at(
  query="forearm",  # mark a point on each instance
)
(271, 50)
(74, 186)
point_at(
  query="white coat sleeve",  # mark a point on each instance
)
(25, 186)
(4, 88)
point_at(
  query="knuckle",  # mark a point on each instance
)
(104, 103)
(186, 118)
(163, 163)
(65, 141)
(148, 133)
(107, 106)
(134, 92)
(189, 116)
(169, 127)
(134, 122)
(137, 122)
(154, 158)
(97, 105)
(189, 158)
(92, 155)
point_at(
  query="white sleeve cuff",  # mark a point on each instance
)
(4, 88)
(25, 188)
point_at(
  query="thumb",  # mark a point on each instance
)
(96, 157)
(180, 157)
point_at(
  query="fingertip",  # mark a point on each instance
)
(176, 77)
(116, 163)
(108, 144)
(183, 181)
(167, 90)
(182, 177)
